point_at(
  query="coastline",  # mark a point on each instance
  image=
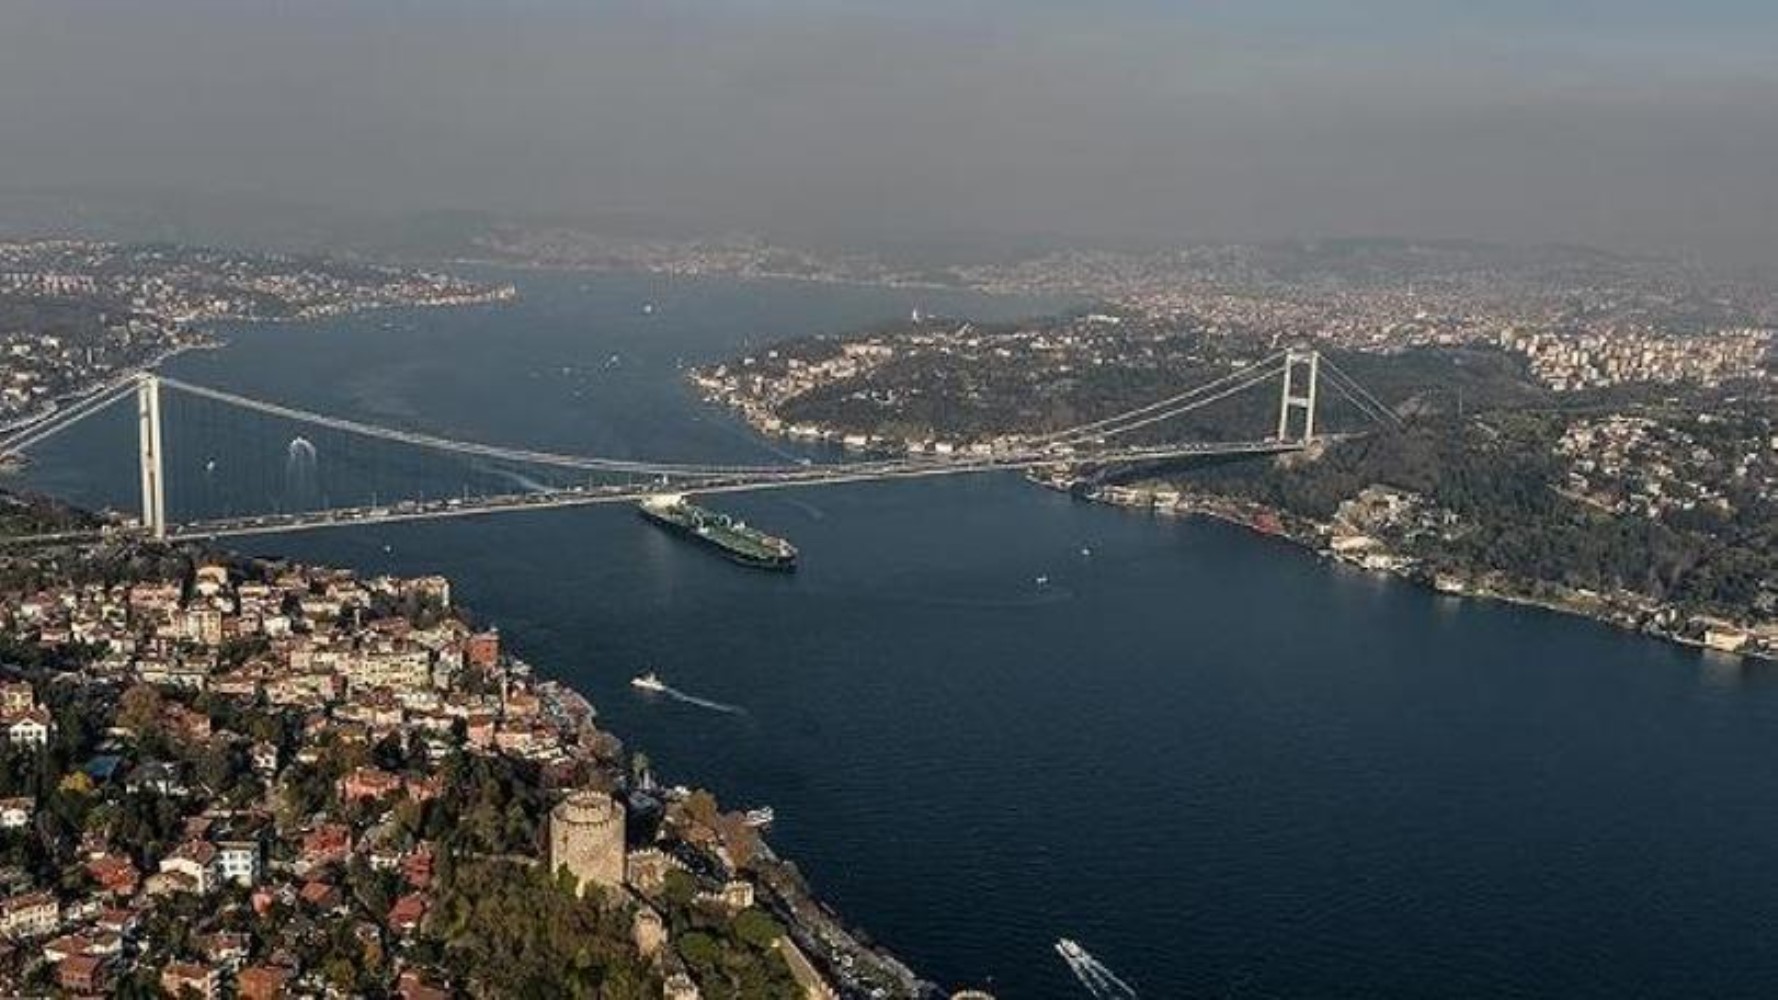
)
(1269, 522)
(1624, 611)
(843, 280)
(814, 928)
(837, 957)
(492, 296)
(207, 338)
(565, 267)
(571, 697)
(74, 397)
(842, 953)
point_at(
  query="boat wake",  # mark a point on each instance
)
(815, 513)
(692, 699)
(1099, 980)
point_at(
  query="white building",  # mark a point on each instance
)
(196, 860)
(16, 813)
(29, 914)
(30, 728)
(238, 861)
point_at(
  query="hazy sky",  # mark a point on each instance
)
(1621, 122)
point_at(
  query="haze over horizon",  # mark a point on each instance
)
(1626, 124)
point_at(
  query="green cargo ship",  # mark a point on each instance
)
(743, 544)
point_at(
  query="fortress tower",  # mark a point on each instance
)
(586, 836)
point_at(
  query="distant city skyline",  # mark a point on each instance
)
(1630, 125)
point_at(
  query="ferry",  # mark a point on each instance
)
(648, 682)
(762, 816)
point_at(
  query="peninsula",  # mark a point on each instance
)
(1615, 461)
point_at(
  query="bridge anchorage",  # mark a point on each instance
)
(1099, 443)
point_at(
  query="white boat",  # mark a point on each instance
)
(648, 682)
(1071, 950)
(762, 816)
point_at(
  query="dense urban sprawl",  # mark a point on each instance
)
(241, 778)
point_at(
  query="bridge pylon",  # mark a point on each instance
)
(1292, 398)
(151, 455)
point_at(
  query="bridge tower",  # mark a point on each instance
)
(1293, 398)
(154, 493)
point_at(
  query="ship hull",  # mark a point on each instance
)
(771, 562)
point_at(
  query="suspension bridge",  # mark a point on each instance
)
(1102, 443)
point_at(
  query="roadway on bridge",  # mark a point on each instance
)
(1089, 445)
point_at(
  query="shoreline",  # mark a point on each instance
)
(574, 700)
(669, 272)
(1064, 298)
(812, 925)
(838, 945)
(542, 734)
(75, 397)
(841, 949)
(1412, 575)
(763, 419)
(493, 296)
(209, 338)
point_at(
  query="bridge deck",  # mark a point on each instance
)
(1088, 445)
(583, 496)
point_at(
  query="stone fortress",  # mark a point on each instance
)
(586, 836)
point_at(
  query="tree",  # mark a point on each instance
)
(390, 753)
(223, 768)
(756, 928)
(699, 950)
(509, 930)
(140, 709)
(679, 889)
(701, 807)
